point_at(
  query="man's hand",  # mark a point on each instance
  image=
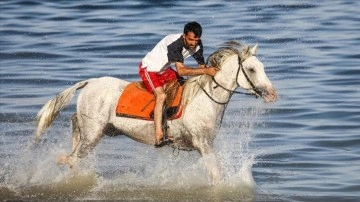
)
(211, 71)
(188, 71)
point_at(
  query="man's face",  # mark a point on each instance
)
(190, 40)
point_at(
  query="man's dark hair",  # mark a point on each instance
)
(193, 27)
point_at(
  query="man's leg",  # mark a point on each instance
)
(158, 113)
(154, 83)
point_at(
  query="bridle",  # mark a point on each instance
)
(257, 93)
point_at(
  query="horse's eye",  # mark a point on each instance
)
(251, 70)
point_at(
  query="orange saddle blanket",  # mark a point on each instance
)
(136, 102)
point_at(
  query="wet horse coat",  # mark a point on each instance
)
(204, 99)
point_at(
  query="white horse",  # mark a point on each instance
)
(204, 100)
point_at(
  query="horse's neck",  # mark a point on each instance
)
(218, 92)
(227, 77)
(218, 89)
(213, 98)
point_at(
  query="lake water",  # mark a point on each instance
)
(305, 147)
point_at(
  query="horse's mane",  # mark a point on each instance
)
(216, 59)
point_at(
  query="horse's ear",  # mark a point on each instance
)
(253, 49)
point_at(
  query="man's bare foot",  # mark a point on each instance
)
(158, 137)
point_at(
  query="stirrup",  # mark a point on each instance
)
(163, 142)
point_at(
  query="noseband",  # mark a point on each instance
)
(257, 92)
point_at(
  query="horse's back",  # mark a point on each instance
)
(112, 82)
(101, 93)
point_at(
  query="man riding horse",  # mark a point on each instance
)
(156, 72)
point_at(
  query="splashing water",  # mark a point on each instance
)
(120, 168)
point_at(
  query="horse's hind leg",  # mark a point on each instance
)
(75, 132)
(62, 159)
(89, 137)
(84, 139)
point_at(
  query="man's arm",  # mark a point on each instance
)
(183, 70)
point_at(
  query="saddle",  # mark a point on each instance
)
(136, 102)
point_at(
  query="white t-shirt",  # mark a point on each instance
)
(171, 49)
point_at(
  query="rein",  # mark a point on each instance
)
(233, 91)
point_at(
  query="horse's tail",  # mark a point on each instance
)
(51, 109)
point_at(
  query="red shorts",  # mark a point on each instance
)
(153, 80)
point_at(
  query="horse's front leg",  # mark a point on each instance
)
(205, 148)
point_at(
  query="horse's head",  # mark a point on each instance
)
(244, 69)
(254, 78)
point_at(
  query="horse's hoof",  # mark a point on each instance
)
(62, 159)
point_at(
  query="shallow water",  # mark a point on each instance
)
(305, 147)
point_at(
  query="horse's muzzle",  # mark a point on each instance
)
(270, 95)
